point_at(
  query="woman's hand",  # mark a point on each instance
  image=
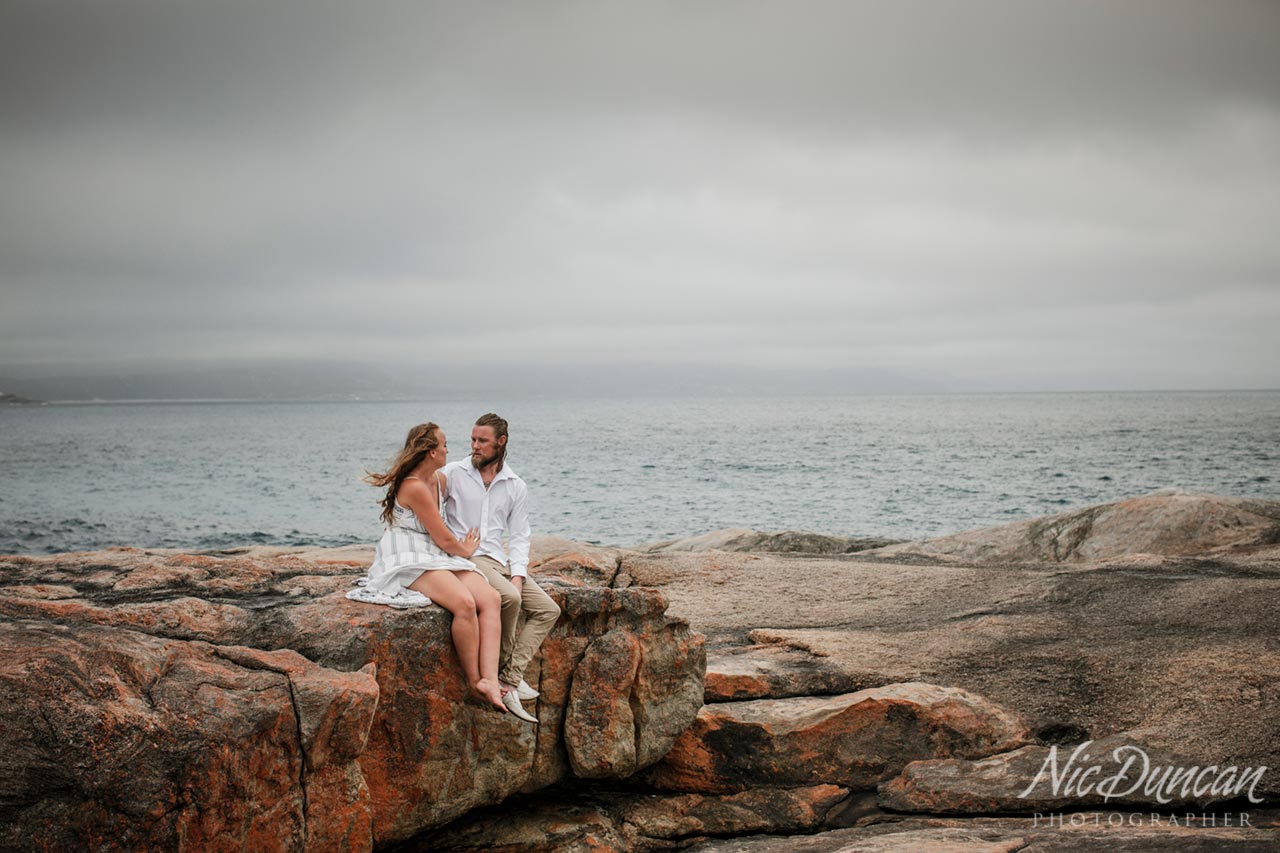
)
(471, 542)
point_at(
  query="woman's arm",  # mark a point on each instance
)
(417, 496)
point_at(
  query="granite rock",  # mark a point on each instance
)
(295, 671)
(635, 820)
(855, 740)
(1169, 523)
(1130, 774)
(1091, 832)
(744, 540)
(114, 738)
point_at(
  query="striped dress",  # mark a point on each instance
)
(406, 550)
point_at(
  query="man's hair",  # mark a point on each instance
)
(499, 426)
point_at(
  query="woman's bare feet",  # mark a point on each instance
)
(488, 691)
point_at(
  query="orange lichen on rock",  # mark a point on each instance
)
(193, 702)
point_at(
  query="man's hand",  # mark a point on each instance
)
(518, 582)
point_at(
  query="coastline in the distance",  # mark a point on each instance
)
(7, 399)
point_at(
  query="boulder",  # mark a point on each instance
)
(300, 666)
(599, 708)
(1130, 774)
(855, 740)
(766, 809)
(728, 594)
(1179, 659)
(557, 826)
(117, 738)
(771, 671)
(628, 702)
(553, 555)
(741, 539)
(1081, 832)
(635, 821)
(1167, 523)
(579, 568)
(1176, 650)
(599, 821)
(1163, 631)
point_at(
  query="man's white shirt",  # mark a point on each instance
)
(500, 512)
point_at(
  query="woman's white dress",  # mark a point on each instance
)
(405, 551)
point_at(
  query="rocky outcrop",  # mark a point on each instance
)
(745, 540)
(1178, 651)
(905, 696)
(771, 671)
(1167, 642)
(1054, 779)
(120, 739)
(645, 821)
(608, 821)
(776, 766)
(1166, 523)
(762, 809)
(164, 697)
(7, 399)
(1080, 832)
(855, 740)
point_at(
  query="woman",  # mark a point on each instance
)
(419, 560)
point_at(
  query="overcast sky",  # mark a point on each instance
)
(1038, 195)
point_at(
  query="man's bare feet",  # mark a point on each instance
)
(489, 691)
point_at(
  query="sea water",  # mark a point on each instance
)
(623, 471)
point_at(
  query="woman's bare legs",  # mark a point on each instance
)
(448, 590)
(489, 611)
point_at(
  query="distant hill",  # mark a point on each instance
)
(211, 382)
(18, 400)
(336, 381)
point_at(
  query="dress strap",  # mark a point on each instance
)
(440, 492)
(439, 489)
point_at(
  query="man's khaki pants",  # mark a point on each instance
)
(520, 637)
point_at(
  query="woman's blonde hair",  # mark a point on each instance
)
(421, 440)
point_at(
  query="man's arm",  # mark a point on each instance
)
(518, 532)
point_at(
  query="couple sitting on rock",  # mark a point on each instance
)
(444, 544)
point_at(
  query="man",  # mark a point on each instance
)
(485, 493)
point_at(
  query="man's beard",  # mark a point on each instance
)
(481, 462)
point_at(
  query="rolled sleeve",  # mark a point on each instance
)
(518, 532)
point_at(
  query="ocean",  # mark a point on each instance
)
(204, 475)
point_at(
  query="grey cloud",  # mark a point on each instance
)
(979, 64)
(917, 184)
